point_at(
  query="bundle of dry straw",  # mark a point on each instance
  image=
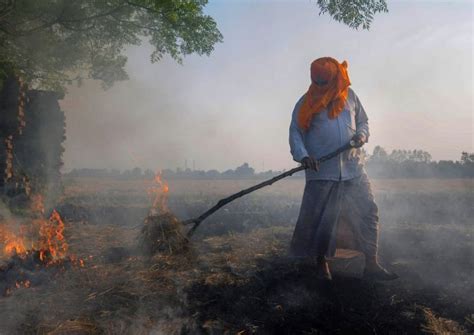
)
(163, 234)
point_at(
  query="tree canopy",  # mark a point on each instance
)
(355, 13)
(53, 43)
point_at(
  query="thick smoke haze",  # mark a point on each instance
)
(413, 72)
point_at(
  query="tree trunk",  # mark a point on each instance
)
(32, 132)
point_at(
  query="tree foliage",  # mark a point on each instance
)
(417, 164)
(52, 43)
(355, 13)
(467, 158)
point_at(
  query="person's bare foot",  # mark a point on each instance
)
(322, 270)
(374, 271)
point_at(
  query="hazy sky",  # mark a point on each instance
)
(413, 71)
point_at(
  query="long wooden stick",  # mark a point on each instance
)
(197, 221)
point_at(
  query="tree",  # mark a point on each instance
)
(419, 156)
(379, 154)
(52, 43)
(467, 158)
(244, 171)
(212, 174)
(136, 173)
(398, 155)
(355, 13)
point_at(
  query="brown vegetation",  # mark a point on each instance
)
(236, 276)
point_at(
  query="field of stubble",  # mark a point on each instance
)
(236, 279)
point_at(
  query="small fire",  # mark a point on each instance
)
(13, 244)
(51, 237)
(9, 158)
(23, 283)
(43, 235)
(159, 194)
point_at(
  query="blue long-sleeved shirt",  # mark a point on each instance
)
(325, 135)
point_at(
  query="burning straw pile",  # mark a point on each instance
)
(162, 232)
(33, 248)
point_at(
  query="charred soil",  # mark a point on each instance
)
(235, 276)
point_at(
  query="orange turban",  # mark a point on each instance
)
(329, 89)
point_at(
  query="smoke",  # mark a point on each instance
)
(235, 105)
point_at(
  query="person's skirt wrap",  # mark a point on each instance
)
(324, 203)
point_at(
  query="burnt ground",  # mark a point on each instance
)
(237, 279)
(282, 297)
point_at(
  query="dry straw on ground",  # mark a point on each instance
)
(163, 234)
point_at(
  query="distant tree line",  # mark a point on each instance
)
(380, 164)
(417, 164)
(242, 172)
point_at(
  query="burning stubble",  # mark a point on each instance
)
(240, 257)
(162, 232)
(33, 247)
(34, 234)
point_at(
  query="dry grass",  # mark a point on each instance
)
(288, 187)
(139, 295)
(438, 325)
(163, 234)
(228, 282)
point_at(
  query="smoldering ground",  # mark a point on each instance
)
(236, 277)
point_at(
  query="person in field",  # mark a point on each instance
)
(328, 116)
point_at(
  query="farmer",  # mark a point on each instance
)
(328, 116)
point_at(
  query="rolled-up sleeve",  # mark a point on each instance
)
(297, 147)
(362, 121)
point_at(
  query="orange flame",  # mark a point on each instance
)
(49, 234)
(9, 158)
(159, 194)
(22, 283)
(52, 238)
(13, 244)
